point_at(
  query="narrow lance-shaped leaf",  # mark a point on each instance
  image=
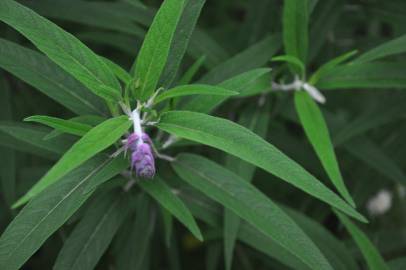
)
(121, 73)
(370, 252)
(368, 152)
(155, 49)
(164, 195)
(295, 28)
(92, 235)
(201, 43)
(129, 255)
(89, 120)
(294, 61)
(96, 140)
(61, 47)
(115, 16)
(194, 89)
(182, 35)
(395, 46)
(38, 71)
(256, 120)
(329, 65)
(30, 139)
(250, 204)
(250, 81)
(42, 216)
(239, 141)
(66, 126)
(317, 132)
(365, 75)
(111, 169)
(337, 254)
(190, 73)
(253, 57)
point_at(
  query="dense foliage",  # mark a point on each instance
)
(181, 134)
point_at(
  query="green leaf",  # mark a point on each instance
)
(335, 251)
(126, 44)
(121, 73)
(91, 237)
(397, 264)
(395, 46)
(192, 70)
(154, 52)
(110, 16)
(292, 60)
(367, 151)
(318, 134)
(194, 89)
(183, 33)
(66, 126)
(325, 19)
(167, 220)
(369, 251)
(247, 82)
(201, 43)
(96, 140)
(337, 254)
(61, 47)
(239, 141)
(250, 204)
(44, 215)
(112, 168)
(134, 248)
(365, 75)
(27, 138)
(295, 28)
(161, 192)
(257, 120)
(7, 156)
(213, 254)
(324, 69)
(251, 58)
(41, 73)
(88, 120)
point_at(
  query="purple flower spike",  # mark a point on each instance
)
(142, 159)
(132, 141)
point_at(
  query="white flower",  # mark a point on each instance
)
(380, 203)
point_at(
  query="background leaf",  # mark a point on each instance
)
(91, 237)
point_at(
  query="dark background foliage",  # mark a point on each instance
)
(370, 122)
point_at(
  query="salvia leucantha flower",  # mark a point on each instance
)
(139, 144)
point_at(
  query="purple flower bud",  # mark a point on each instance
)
(142, 159)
